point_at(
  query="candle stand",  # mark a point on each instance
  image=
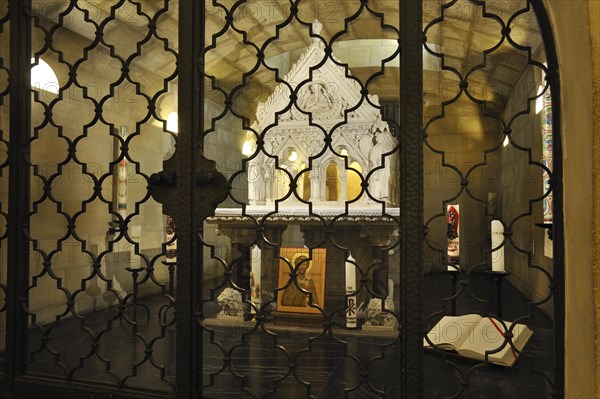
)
(547, 226)
(164, 309)
(135, 271)
(497, 278)
(453, 272)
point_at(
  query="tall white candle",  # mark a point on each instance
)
(452, 233)
(255, 276)
(497, 238)
(351, 293)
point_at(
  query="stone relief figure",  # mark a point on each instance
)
(292, 296)
(231, 303)
(317, 99)
(256, 183)
(375, 316)
(269, 180)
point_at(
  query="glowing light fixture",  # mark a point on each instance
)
(343, 151)
(247, 148)
(292, 155)
(506, 141)
(249, 144)
(43, 77)
(173, 122)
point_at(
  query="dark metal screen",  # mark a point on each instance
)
(490, 186)
(4, 140)
(300, 292)
(278, 174)
(99, 298)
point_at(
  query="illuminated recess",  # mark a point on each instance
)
(292, 155)
(173, 122)
(43, 77)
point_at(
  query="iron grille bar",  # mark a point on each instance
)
(189, 276)
(557, 189)
(411, 83)
(188, 208)
(18, 155)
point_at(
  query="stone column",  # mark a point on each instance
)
(368, 244)
(335, 288)
(380, 271)
(241, 237)
(343, 183)
(270, 263)
(242, 266)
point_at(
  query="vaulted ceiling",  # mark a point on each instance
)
(462, 36)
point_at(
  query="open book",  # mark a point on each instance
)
(472, 336)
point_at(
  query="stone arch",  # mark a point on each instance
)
(576, 47)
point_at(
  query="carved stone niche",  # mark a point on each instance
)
(327, 104)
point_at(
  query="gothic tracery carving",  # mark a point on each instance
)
(326, 94)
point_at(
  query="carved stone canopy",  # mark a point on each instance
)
(330, 129)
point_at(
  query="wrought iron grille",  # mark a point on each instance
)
(490, 186)
(4, 140)
(100, 295)
(280, 178)
(305, 234)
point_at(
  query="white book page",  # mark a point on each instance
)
(489, 336)
(451, 331)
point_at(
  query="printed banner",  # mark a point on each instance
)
(546, 124)
(453, 253)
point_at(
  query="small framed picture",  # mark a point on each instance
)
(310, 278)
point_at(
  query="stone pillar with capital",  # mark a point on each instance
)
(368, 245)
(241, 236)
(316, 193)
(335, 288)
(270, 262)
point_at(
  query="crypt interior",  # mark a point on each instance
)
(302, 200)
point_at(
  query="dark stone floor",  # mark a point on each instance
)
(291, 363)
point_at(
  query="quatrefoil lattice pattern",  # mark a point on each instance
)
(100, 300)
(488, 155)
(284, 139)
